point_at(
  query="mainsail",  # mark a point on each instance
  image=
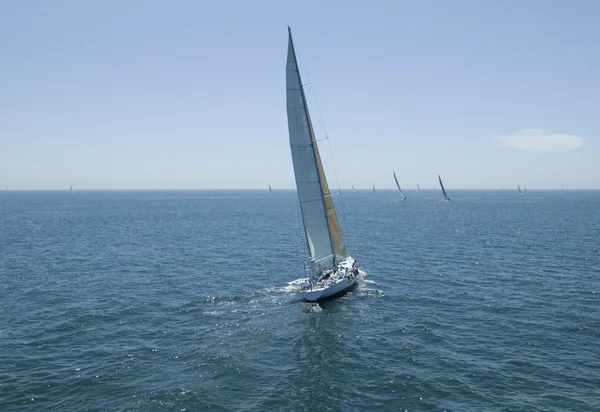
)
(323, 234)
(443, 190)
(398, 185)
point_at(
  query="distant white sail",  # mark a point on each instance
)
(443, 190)
(402, 197)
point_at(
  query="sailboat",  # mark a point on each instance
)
(519, 187)
(525, 187)
(270, 190)
(72, 190)
(334, 270)
(446, 198)
(418, 187)
(373, 188)
(402, 197)
(354, 190)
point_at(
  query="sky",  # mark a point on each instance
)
(185, 94)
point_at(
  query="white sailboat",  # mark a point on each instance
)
(519, 187)
(353, 189)
(373, 188)
(334, 270)
(72, 190)
(402, 197)
(446, 198)
(418, 187)
(270, 190)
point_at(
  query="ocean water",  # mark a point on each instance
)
(186, 301)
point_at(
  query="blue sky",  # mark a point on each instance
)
(191, 95)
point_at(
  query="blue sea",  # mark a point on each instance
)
(187, 301)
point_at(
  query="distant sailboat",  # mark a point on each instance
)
(446, 198)
(502, 187)
(402, 197)
(72, 190)
(270, 190)
(373, 188)
(354, 190)
(418, 187)
(335, 271)
(519, 187)
(525, 187)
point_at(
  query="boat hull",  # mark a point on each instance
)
(339, 288)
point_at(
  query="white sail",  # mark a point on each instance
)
(323, 234)
(443, 190)
(398, 185)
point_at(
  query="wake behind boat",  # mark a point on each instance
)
(334, 271)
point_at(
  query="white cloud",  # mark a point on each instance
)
(540, 140)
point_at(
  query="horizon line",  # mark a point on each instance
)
(370, 189)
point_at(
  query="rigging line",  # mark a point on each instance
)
(309, 82)
(337, 179)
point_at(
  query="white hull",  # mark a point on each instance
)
(339, 287)
(323, 290)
